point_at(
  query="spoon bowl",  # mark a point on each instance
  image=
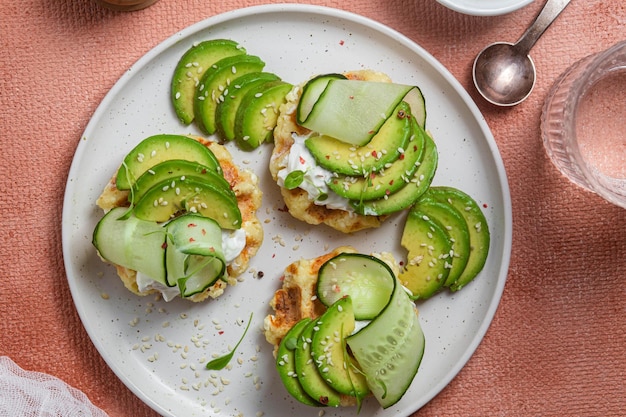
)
(502, 75)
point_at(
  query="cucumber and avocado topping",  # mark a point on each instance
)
(385, 147)
(331, 359)
(391, 165)
(210, 86)
(179, 205)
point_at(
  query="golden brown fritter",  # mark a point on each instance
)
(245, 186)
(297, 200)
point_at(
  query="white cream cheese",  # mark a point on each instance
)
(315, 177)
(233, 242)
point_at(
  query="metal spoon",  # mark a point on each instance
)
(504, 73)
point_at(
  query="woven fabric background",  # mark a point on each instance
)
(557, 345)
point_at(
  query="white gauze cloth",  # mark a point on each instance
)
(35, 394)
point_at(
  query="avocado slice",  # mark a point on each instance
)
(159, 148)
(226, 111)
(329, 351)
(389, 180)
(175, 169)
(190, 69)
(215, 83)
(455, 226)
(384, 147)
(258, 112)
(307, 373)
(426, 270)
(410, 192)
(196, 195)
(477, 226)
(286, 366)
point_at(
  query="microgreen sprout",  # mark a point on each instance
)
(221, 362)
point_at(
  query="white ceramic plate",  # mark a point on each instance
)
(485, 7)
(158, 349)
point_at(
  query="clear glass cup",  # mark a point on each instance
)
(126, 5)
(583, 123)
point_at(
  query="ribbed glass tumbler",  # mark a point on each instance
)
(583, 124)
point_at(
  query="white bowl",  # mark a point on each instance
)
(485, 7)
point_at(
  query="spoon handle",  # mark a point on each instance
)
(548, 14)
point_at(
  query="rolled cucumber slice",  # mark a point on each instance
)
(353, 111)
(311, 92)
(366, 279)
(132, 243)
(194, 257)
(390, 348)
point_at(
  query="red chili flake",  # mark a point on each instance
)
(203, 171)
(401, 157)
(323, 400)
(341, 42)
(327, 157)
(220, 332)
(164, 245)
(391, 182)
(401, 263)
(414, 148)
(203, 232)
(374, 154)
(192, 239)
(273, 255)
(387, 192)
(302, 160)
(401, 114)
(191, 225)
(370, 132)
(351, 97)
(260, 274)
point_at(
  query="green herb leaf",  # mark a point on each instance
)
(322, 197)
(294, 179)
(221, 362)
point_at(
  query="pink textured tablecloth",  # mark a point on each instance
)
(557, 344)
